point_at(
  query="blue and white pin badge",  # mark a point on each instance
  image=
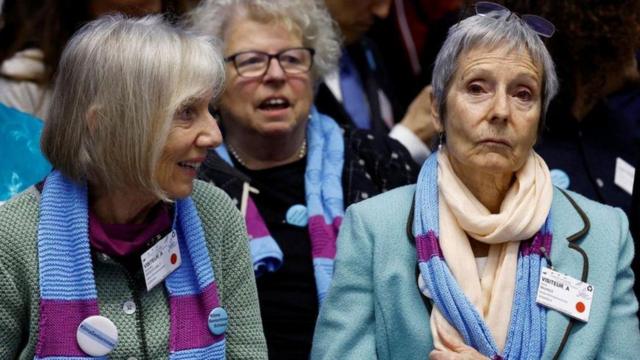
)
(218, 320)
(297, 215)
(97, 335)
(560, 178)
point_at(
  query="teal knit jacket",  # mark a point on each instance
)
(144, 332)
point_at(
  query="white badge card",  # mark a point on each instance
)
(624, 175)
(565, 294)
(161, 260)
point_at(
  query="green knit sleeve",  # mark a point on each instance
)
(234, 273)
(18, 276)
(11, 312)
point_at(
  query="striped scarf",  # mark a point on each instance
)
(525, 337)
(324, 200)
(67, 285)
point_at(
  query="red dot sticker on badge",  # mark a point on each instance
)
(580, 307)
(174, 259)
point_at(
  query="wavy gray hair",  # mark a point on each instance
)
(311, 17)
(119, 84)
(492, 31)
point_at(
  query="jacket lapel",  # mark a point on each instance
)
(566, 223)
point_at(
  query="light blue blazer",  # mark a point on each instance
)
(375, 310)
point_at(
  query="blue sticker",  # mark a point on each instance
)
(218, 320)
(297, 215)
(560, 178)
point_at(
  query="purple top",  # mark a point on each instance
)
(122, 240)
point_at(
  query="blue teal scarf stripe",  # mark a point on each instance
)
(63, 205)
(527, 333)
(325, 160)
(194, 254)
(214, 351)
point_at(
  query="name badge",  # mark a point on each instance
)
(161, 260)
(624, 175)
(565, 294)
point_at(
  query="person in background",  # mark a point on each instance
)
(291, 169)
(359, 92)
(37, 32)
(409, 40)
(484, 258)
(120, 252)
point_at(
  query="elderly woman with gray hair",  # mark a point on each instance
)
(291, 169)
(119, 251)
(507, 267)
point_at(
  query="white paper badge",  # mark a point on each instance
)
(97, 335)
(161, 260)
(624, 175)
(565, 294)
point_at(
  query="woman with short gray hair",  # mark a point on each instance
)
(115, 252)
(483, 258)
(291, 169)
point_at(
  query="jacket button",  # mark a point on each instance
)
(129, 307)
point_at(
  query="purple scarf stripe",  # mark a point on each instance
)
(59, 321)
(189, 315)
(324, 235)
(534, 246)
(428, 246)
(255, 224)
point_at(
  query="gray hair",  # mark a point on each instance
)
(119, 84)
(310, 17)
(493, 30)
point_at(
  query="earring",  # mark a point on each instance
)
(440, 140)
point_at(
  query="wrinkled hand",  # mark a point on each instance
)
(418, 118)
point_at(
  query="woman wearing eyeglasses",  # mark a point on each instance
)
(291, 170)
(483, 258)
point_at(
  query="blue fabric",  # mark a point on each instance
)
(325, 160)
(354, 98)
(526, 331)
(265, 254)
(21, 163)
(63, 235)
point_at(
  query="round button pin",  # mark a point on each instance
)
(97, 335)
(560, 178)
(297, 215)
(218, 320)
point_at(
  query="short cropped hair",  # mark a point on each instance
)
(494, 30)
(119, 84)
(310, 17)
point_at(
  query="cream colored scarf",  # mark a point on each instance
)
(522, 214)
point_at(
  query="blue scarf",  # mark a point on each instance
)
(67, 285)
(324, 200)
(526, 337)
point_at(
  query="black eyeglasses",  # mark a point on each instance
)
(540, 25)
(255, 63)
